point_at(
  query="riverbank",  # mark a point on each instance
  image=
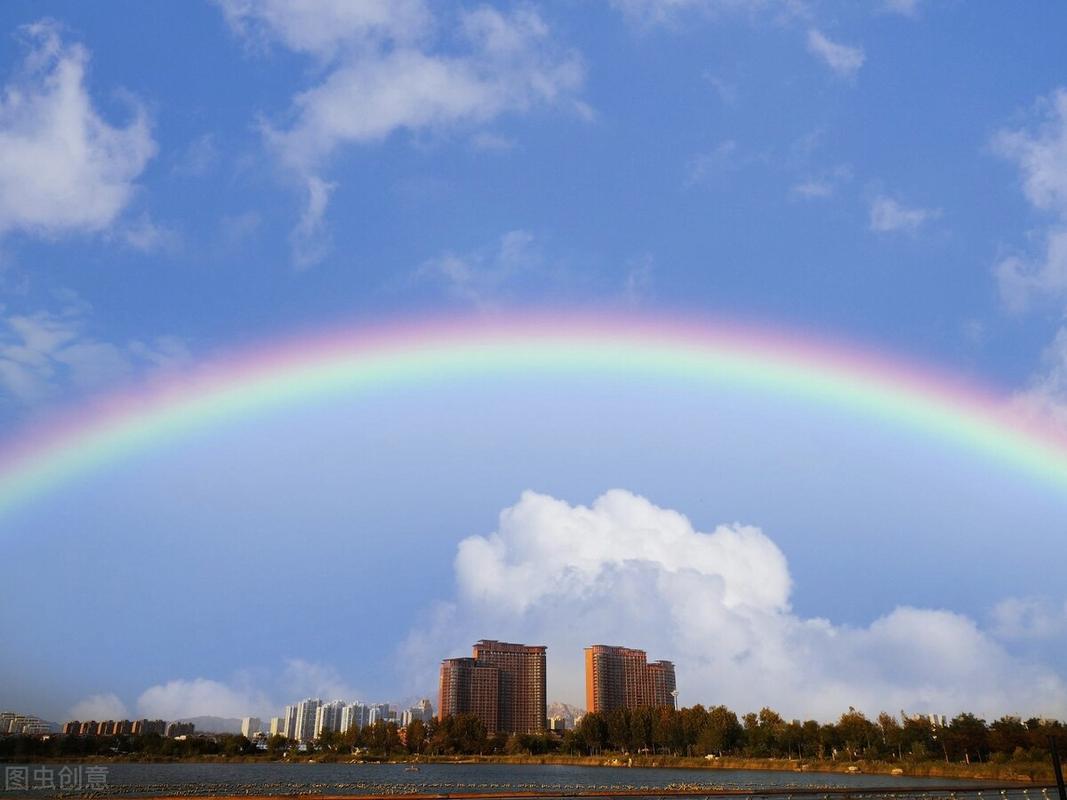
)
(1024, 772)
(1027, 772)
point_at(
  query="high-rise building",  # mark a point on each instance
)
(251, 726)
(353, 717)
(379, 712)
(328, 717)
(421, 711)
(621, 677)
(305, 719)
(290, 722)
(277, 726)
(503, 684)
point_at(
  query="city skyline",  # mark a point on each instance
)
(335, 336)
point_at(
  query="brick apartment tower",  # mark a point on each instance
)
(503, 684)
(621, 677)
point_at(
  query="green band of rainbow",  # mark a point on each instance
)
(287, 373)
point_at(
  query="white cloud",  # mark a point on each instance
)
(638, 279)
(200, 157)
(515, 269)
(724, 157)
(889, 216)
(485, 277)
(822, 185)
(843, 59)
(906, 8)
(812, 189)
(328, 27)
(1029, 618)
(63, 168)
(1045, 399)
(1040, 152)
(671, 13)
(179, 699)
(307, 679)
(45, 354)
(309, 239)
(99, 707)
(624, 571)
(149, 237)
(389, 71)
(491, 142)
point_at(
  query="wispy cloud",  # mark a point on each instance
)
(843, 59)
(906, 8)
(489, 276)
(46, 354)
(1040, 152)
(727, 156)
(822, 185)
(891, 216)
(63, 168)
(387, 73)
(1045, 398)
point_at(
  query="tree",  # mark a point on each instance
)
(856, 732)
(415, 736)
(967, 736)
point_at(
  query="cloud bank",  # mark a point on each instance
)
(625, 571)
(242, 695)
(99, 707)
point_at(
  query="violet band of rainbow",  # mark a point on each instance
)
(773, 362)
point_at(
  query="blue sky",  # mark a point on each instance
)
(180, 181)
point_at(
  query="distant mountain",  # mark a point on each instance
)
(215, 724)
(565, 710)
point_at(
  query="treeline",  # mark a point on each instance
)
(695, 731)
(718, 731)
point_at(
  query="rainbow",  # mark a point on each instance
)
(777, 363)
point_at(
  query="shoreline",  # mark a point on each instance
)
(1020, 772)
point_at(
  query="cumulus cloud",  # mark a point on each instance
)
(890, 216)
(1040, 152)
(99, 707)
(390, 66)
(624, 571)
(49, 353)
(63, 168)
(199, 697)
(843, 59)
